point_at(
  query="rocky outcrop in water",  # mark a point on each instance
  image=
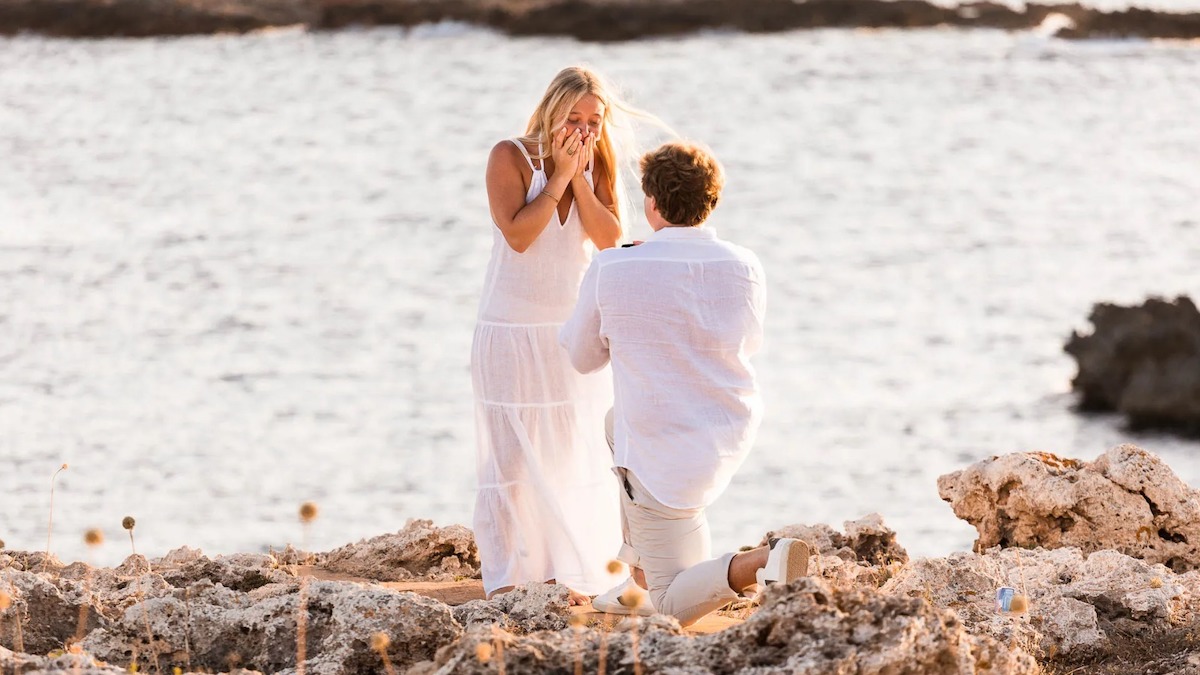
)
(1127, 500)
(1143, 362)
(597, 20)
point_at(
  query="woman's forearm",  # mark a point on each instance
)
(528, 223)
(599, 222)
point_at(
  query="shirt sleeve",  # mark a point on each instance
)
(580, 335)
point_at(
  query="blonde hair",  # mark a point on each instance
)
(616, 136)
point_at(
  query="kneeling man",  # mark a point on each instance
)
(679, 317)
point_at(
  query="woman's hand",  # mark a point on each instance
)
(586, 153)
(566, 151)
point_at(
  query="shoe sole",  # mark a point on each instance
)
(796, 565)
(618, 608)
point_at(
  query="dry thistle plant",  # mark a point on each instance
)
(5, 603)
(50, 523)
(93, 538)
(380, 642)
(187, 632)
(302, 627)
(631, 598)
(602, 654)
(577, 622)
(308, 513)
(498, 641)
(483, 652)
(128, 522)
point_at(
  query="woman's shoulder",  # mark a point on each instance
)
(509, 152)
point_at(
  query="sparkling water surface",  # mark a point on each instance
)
(238, 273)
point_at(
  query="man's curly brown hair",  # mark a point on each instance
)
(685, 181)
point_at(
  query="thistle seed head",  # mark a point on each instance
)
(632, 598)
(308, 512)
(128, 522)
(380, 641)
(483, 652)
(93, 537)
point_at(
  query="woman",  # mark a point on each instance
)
(547, 507)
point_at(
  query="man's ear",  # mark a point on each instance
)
(653, 204)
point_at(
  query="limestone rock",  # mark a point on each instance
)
(1143, 362)
(68, 662)
(30, 561)
(54, 611)
(419, 551)
(867, 540)
(1127, 500)
(1074, 602)
(239, 572)
(211, 626)
(808, 627)
(530, 608)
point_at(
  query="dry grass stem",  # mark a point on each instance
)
(187, 630)
(308, 513)
(380, 642)
(498, 641)
(602, 656)
(302, 626)
(146, 624)
(128, 522)
(50, 523)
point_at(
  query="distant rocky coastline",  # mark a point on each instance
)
(1143, 362)
(591, 20)
(1103, 558)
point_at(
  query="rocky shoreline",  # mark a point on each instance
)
(1103, 556)
(590, 20)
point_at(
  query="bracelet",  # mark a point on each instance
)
(547, 193)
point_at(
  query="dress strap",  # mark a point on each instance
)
(521, 147)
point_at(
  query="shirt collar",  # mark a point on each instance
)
(694, 233)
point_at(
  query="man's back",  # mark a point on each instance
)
(681, 315)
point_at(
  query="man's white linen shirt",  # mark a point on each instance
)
(679, 316)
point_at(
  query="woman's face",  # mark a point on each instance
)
(587, 115)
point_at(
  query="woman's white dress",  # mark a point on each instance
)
(547, 504)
